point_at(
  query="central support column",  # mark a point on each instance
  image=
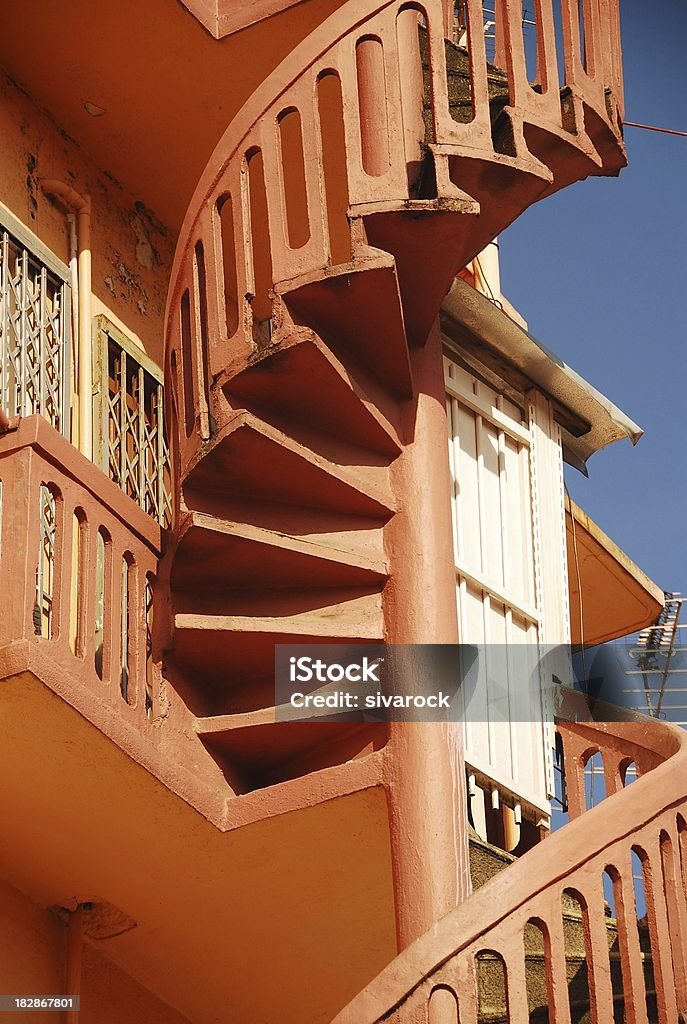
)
(426, 784)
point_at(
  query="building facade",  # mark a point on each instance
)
(260, 386)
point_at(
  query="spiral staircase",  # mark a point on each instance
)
(302, 358)
(373, 164)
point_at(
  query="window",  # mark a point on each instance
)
(509, 557)
(35, 328)
(131, 447)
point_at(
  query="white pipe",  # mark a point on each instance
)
(72, 980)
(81, 205)
(489, 272)
(74, 274)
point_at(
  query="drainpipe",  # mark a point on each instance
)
(489, 276)
(74, 274)
(81, 206)
(72, 979)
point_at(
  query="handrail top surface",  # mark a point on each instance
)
(286, 74)
(36, 433)
(579, 842)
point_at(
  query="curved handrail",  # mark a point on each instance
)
(372, 48)
(649, 817)
(339, 24)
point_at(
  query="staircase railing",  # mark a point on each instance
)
(437, 979)
(79, 560)
(247, 234)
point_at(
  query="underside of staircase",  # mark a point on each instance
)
(361, 177)
(307, 412)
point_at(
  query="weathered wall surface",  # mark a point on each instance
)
(32, 950)
(109, 996)
(132, 250)
(31, 944)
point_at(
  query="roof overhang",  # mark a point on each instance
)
(588, 419)
(617, 598)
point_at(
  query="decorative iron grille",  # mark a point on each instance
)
(45, 570)
(134, 451)
(150, 604)
(35, 336)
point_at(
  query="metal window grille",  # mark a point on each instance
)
(124, 636)
(100, 604)
(45, 570)
(149, 647)
(35, 336)
(134, 450)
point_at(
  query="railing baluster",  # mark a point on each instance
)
(199, 328)
(570, 27)
(677, 912)
(516, 978)
(592, 50)
(558, 969)
(631, 960)
(599, 965)
(478, 67)
(123, 474)
(317, 248)
(5, 402)
(547, 63)
(612, 762)
(141, 436)
(514, 50)
(657, 919)
(234, 182)
(89, 582)
(23, 340)
(61, 567)
(115, 618)
(466, 986)
(573, 748)
(42, 353)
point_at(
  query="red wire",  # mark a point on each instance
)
(653, 128)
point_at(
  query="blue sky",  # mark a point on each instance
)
(599, 271)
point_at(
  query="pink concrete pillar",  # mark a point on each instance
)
(426, 784)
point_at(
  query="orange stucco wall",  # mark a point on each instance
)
(31, 947)
(131, 248)
(32, 951)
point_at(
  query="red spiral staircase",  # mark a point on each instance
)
(308, 432)
(303, 391)
(306, 403)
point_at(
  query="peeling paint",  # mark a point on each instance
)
(125, 283)
(132, 249)
(32, 184)
(146, 226)
(146, 254)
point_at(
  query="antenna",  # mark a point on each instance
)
(655, 656)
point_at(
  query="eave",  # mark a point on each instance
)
(589, 421)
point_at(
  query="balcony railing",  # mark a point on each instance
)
(631, 852)
(77, 565)
(269, 215)
(131, 445)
